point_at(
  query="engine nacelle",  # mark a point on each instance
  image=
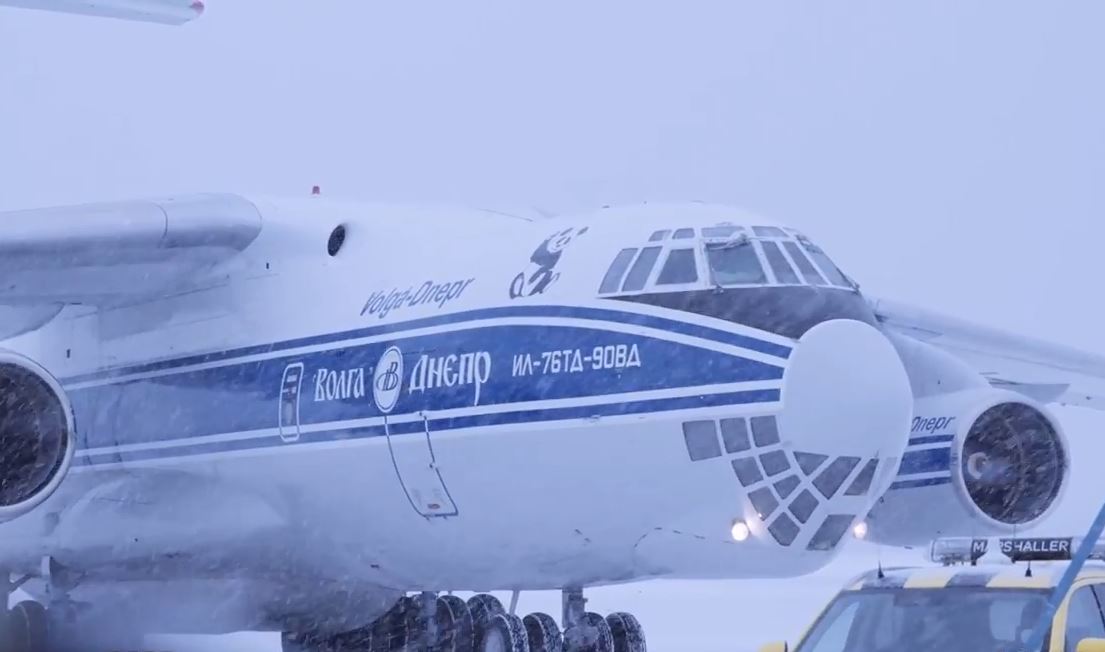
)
(37, 435)
(1005, 470)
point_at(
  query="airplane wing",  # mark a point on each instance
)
(1047, 372)
(107, 253)
(167, 12)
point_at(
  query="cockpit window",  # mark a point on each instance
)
(721, 255)
(784, 273)
(769, 232)
(614, 275)
(720, 231)
(809, 272)
(679, 268)
(642, 267)
(735, 263)
(830, 270)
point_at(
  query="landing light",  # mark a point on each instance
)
(860, 530)
(740, 531)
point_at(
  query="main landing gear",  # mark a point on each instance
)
(28, 626)
(432, 623)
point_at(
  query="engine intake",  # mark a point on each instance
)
(1013, 463)
(37, 436)
(981, 462)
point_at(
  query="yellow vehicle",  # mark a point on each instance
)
(963, 605)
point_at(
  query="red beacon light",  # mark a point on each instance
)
(315, 191)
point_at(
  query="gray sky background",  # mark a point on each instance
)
(949, 153)
(946, 153)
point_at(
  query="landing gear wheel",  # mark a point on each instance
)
(454, 625)
(294, 642)
(628, 634)
(393, 631)
(504, 633)
(591, 635)
(314, 642)
(27, 627)
(481, 609)
(544, 635)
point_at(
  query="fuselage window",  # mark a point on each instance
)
(784, 273)
(809, 272)
(642, 267)
(683, 234)
(769, 232)
(735, 264)
(614, 275)
(830, 270)
(679, 268)
(657, 236)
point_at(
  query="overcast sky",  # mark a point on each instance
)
(947, 153)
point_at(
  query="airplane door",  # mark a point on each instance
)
(290, 386)
(419, 474)
(412, 453)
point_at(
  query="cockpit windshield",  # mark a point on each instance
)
(735, 263)
(725, 255)
(927, 620)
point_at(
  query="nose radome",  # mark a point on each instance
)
(846, 393)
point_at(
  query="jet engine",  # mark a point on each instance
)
(1005, 470)
(37, 436)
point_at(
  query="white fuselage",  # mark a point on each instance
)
(451, 402)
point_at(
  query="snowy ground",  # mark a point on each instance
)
(739, 616)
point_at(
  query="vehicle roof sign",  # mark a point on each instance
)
(1037, 549)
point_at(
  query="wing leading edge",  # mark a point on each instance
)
(166, 12)
(1050, 373)
(104, 253)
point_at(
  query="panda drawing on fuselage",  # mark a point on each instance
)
(540, 274)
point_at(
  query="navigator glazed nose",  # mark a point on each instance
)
(845, 419)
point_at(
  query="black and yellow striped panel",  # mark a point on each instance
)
(953, 577)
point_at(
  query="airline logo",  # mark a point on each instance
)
(339, 384)
(931, 424)
(467, 369)
(381, 303)
(387, 381)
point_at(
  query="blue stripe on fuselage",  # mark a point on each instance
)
(596, 314)
(437, 425)
(921, 482)
(505, 366)
(925, 461)
(930, 439)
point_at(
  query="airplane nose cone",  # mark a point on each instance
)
(845, 421)
(810, 471)
(846, 392)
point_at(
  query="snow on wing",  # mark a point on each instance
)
(104, 253)
(1047, 372)
(168, 12)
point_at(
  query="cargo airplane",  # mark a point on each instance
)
(223, 413)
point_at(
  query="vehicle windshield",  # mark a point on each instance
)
(927, 620)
